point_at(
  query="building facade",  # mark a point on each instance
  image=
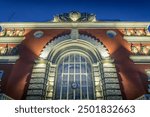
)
(75, 57)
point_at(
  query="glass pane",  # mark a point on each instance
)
(77, 58)
(84, 93)
(71, 78)
(59, 78)
(60, 68)
(82, 59)
(89, 77)
(90, 91)
(64, 93)
(84, 80)
(71, 58)
(66, 59)
(77, 68)
(83, 68)
(77, 94)
(58, 93)
(71, 68)
(65, 77)
(88, 68)
(71, 91)
(77, 77)
(65, 81)
(65, 68)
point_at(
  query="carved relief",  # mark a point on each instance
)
(135, 32)
(140, 49)
(74, 17)
(12, 32)
(9, 51)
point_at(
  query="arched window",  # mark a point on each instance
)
(74, 78)
(74, 69)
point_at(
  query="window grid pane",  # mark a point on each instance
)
(74, 78)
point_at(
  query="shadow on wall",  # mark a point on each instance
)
(20, 74)
(132, 82)
(29, 50)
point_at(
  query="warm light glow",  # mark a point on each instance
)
(3, 50)
(145, 50)
(132, 32)
(139, 32)
(135, 50)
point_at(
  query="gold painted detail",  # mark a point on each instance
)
(140, 49)
(8, 51)
(135, 32)
(12, 32)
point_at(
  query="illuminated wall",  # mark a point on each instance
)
(23, 44)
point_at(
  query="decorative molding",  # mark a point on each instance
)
(67, 38)
(8, 59)
(135, 31)
(137, 39)
(75, 17)
(16, 40)
(37, 84)
(140, 49)
(110, 82)
(140, 59)
(82, 25)
(9, 51)
(12, 32)
(110, 75)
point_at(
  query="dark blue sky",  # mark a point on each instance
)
(44, 10)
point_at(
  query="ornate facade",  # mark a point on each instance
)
(75, 57)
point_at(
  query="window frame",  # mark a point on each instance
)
(61, 61)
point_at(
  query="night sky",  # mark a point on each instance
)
(44, 10)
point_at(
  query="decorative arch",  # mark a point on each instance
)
(44, 75)
(82, 39)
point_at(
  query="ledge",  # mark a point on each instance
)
(95, 25)
(11, 39)
(8, 59)
(137, 39)
(140, 59)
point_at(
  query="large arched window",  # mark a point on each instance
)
(74, 68)
(74, 78)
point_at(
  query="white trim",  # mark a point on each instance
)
(11, 39)
(88, 25)
(140, 59)
(137, 39)
(8, 59)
